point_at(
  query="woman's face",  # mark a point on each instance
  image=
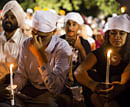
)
(117, 38)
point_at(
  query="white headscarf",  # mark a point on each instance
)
(17, 11)
(75, 17)
(45, 21)
(120, 22)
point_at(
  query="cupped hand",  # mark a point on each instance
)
(4, 93)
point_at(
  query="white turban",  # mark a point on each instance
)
(120, 22)
(45, 21)
(75, 17)
(17, 11)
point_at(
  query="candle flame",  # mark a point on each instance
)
(11, 65)
(109, 53)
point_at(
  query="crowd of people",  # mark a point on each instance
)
(62, 60)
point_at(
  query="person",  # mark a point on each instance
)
(80, 49)
(29, 14)
(44, 63)
(99, 39)
(27, 28)
(1, 29)
(11, 40)
(87, 33)
(117, 38)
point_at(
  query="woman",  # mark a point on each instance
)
(117, 38)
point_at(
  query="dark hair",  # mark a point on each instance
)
(125, 51)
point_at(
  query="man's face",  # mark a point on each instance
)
(45, 37)
(71, 28)
(9, 22)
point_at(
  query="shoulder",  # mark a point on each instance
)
(86, 45)
(26, 42)
(62, 45)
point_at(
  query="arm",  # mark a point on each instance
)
(53, 78)
(81, 49)
(82, 75)
(20, 77)
(125, 77)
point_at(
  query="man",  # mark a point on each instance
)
(43, 64)
(11, 40)
(80, 47)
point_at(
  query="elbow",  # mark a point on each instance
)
(55, 90)
(78, 75)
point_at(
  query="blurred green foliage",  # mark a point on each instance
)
(87, 7)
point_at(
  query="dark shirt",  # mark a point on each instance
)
(99, 69)
(87, 48)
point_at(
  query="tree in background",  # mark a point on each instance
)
(87, 7)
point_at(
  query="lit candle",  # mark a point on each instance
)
(11, 84)
(108, 66)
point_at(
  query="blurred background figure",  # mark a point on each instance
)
(1, 29)
(99, 39)
(60, 24)
(87, 33)
(27, 28)
(29, 13)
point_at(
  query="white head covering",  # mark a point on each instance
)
(119, 22)
(17, 11)
(28, 22)
(45, 21)
(29, 10)
(89, 30)
(75, 17)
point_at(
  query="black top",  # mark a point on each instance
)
(87, 48)
(99, 69)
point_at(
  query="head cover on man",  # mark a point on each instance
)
(16, 9)
(45, 21)
(120, 22)
(75, 17)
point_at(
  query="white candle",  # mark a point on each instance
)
(108, 66)
(11, 84)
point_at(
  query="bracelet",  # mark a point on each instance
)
(43, 68)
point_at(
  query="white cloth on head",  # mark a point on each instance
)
(75, 17)
(16, 9)
(29, 10)
(120, 22)
(45, 21)
(89, 30)
(28, 22)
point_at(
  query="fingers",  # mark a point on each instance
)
(40, 40)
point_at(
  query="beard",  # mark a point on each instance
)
(8, 26)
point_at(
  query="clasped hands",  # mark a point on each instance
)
(109, 91)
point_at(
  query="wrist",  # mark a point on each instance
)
(92, 85)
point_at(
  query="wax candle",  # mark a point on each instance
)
(11, 84)
(108, 66)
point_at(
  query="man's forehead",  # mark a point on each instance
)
(72, 21)
(39, 32)
(9, 13)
